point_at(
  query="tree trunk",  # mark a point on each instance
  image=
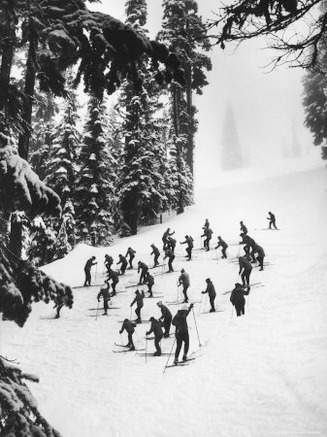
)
(190, 134)
(180, 200)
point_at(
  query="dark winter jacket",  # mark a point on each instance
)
(188, 241)
(113, 276)
(155, 251)
(207, 233)
(149, 279)
(171, 242)
(155, 328)
(179, 321)
(104, 292)
(210, 289)
(244, 229)
(142, 266)
(166, 314)
(139, 300)
(131, 253)
(169, 254)
(122, 261)
(248, 240)
(237, 296)
(244, 263)
(129, 326)
(166, 235)
(259, 250)
(89, 263)
(184, 279)
(222, 243)
(108, 260)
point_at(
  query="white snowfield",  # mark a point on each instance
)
(260, 375)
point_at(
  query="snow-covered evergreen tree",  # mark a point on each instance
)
(231, 154)
(142, 187)
(94, 184)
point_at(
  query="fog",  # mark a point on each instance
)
(266, 104)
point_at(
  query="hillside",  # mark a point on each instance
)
(263, 374)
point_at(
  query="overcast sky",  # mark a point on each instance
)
(266, 104)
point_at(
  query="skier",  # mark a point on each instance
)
(260, 255)
(208, 235)
(169, 254)
(123, 262)
(272, 220)
(245, 269)
(189, 242)
(87, 270)
(130, 328)
(184, 280)
(206, 225)
(181, 333)
(157, 330)
(104, 292)
(155, 252)
(249, 244)
(149, 280)
(223, 245)
(165, 238)
(108, 261)
(114, 280)
(166, 318)
(139, 304)
(212, 294)
(131, 254)
(237, 298)
(243, 229)
(144, 270)
(171, 244)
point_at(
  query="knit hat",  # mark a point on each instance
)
(182, 271)
(159, 303)
(238, 284)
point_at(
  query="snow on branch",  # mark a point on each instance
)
(21, 189)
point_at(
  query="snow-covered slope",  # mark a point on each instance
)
(263, 374)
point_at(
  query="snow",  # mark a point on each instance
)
(263, 374)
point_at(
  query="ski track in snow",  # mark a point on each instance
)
(263, 374)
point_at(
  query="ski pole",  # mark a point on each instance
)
(96, 315)
(146, 350)
(196, 326)
(170, 354)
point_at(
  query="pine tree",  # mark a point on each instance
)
(231, 157)
(141, 187)
(94, 187)
(184, 31)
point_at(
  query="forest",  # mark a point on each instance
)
(65, 178)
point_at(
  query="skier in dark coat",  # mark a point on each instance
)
(249, 244)
(237, 298)
(223, 245)
(272, 220)
(130, 328)
(166, 318)
(245, 269)
(157, 330)
(155, 252)
(87, 270)
(206, 225)
(184, 280)
(165, 238)
(108, 261)
(243, 229)
(123, 262)
(260, 255)
(169, 254)
(105, 293)
(139, 305)
(113, 276)
(143, 268)
(212, 294)
(131, 253)
(149, 281)
(189, 242)
(182, 335)
(59, 302)
(208, 235)
(171, 244)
